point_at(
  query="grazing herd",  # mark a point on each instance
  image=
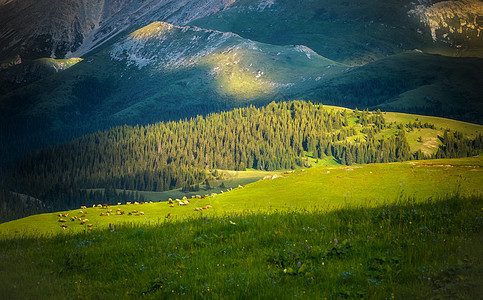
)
(81, 219)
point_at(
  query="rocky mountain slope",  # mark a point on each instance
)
(71, 28)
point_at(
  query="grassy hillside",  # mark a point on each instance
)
(165, 157)
(228, 179)
(429, 141)
(410, 82)
(296, 236)
(319, 188)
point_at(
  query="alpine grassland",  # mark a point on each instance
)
(396, 230)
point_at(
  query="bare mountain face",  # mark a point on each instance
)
(71, 28)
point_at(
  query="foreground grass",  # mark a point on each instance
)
(400, 249)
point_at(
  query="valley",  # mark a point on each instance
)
(297, 234)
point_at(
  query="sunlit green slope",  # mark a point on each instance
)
(321, 188)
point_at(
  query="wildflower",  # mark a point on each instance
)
(299, 264)
(307, 248)
(335, 241)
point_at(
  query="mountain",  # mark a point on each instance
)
(139, 69)
(356, 32)
(159, 72)
(348, 31)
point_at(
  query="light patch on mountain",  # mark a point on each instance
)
(265, 3)
(306, 50)
(446, 18)
(168, 47)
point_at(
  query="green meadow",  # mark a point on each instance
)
(398, 230)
